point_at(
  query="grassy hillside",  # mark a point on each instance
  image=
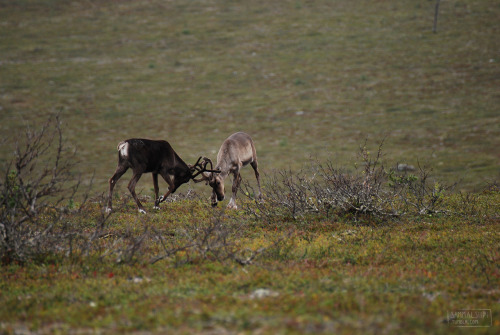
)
(342, 243)
(304, 78)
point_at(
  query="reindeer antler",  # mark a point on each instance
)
(197, 166)
(208, 161)
(202, 167)
(198, 161)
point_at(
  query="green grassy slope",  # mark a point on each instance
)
(307, 79)
(304, 78)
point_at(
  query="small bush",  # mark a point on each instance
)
(35, 184)
(371, 190)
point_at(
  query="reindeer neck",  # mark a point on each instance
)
(224, 167)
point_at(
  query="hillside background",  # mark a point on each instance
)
(307, 79)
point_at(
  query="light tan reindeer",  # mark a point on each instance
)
(236, 152)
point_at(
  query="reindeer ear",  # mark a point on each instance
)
(207, 177)
(193, 168)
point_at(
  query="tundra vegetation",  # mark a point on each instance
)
(328, 250)
(378, 150)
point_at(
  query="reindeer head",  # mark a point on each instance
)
(211, 177)
(216, 182)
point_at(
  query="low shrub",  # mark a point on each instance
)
(370, 190)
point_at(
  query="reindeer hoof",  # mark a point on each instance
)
(156, 207)
(214, 204)
(142, 211)
(108, 209)
(160, 199)
(232, 204)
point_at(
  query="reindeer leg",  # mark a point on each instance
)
(157, 190)
(214, 199)
(257, 176)
(164, 197)
(171, 189)
(120, 170)
(236, 185)
(131, 187)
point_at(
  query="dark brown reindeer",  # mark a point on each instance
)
(236, 151)
(159, 158)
